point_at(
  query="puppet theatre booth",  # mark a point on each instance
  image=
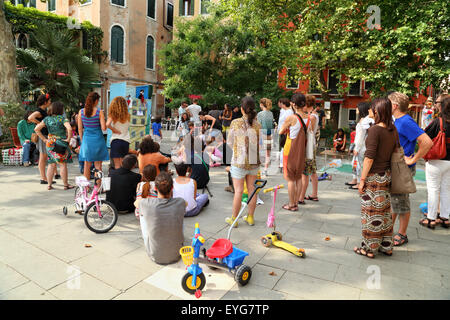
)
(140, 109)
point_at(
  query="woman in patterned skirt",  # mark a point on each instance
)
(375, 182)
(57, 142)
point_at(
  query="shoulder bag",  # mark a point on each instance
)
(439, 149)
(402, 179)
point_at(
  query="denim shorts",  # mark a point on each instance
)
(238, 173)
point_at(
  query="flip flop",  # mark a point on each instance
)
(312, 198)
(289, 208)
(366, 253)
(350, 184)
(68, 187)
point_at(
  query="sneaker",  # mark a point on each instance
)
(230, 221)
(249, 220)
(26, 164)
(259, 201)
(229, 189)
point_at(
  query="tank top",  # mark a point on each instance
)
(123, 128)
(185, 191)
(90, 122)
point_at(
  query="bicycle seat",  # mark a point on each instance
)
(220, 249)
(81, 181)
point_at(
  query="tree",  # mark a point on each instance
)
(410, 44)
(56, 64)
(9, 82)
(214, 58)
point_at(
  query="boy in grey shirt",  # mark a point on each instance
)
(162, 222)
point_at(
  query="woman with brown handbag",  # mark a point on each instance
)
(438, 171)
(375, 182)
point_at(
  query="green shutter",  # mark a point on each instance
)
(150, 52)
(117, 44)
(192, 11)
(204, 6)
(151, 8)
(181, 9)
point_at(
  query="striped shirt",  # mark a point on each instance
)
(91, 122)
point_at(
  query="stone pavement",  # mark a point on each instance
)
(43, 254)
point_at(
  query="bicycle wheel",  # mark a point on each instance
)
(103, 223)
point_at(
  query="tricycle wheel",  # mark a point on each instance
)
(266, 241)
(186, 283)
(243, 274)
(65, 210)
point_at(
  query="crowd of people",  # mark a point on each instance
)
(142, 183)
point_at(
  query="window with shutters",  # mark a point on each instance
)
(169, 15)
(51, 5)
(22, 41)
(291, 79)
(150, 59)
(333, 82)
(120, 3)
(151, 9)
(29, 3)
(204, 6)
(117, 44)
(187, 7)
(355, 89)
(314, 87)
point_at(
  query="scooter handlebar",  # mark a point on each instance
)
(281, 186)
(259, 183)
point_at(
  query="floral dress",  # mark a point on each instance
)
(57, 133)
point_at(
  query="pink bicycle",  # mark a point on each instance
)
(100, 215)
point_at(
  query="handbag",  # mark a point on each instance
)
(439, 149)
(401, 176)
(34, 138)
(59, 148)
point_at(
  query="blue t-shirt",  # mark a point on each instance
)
(408, 131)
(156, 127)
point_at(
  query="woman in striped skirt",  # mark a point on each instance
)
(374, 186)
(91, 124)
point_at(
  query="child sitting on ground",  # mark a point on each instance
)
(213, 152)
(146, 188)
(123, 185)
(186, 188)
(161, 221)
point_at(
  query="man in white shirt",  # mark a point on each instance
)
(285, 111)
(193, 110)
(181, 110)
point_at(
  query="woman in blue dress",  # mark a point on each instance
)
(91, 124)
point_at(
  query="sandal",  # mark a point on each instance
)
(350, 184)
(50, 188)
(302, 202)
(387, 253)
(443, 222)
(427, 223)
(353, 187)
(363, 252)
(290, 208)
(312, 198)
(68, 187)
(403, 239)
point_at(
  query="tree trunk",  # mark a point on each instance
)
(9, 81)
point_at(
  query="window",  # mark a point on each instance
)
(314, 86)
(169, 14)
(51, 5)
(22, 41)
(355, 88)
(204, 6)
(29, 3)
(352, 115)
(86, 2)
(151, 9)
(368, 85)
(150, 59)
(118, 2)
(85, 42)
(291, 79)
(117, 44)
(333, 82)
(187, 7)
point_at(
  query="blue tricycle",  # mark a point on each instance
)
(221, 255)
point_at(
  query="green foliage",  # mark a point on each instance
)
(26, 20)
(56, 64)
(13, 113)
(213, 57)
(412, 43)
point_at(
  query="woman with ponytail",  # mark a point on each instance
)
(243, 139)
(294, 150)
(43, 103)
(91, 124)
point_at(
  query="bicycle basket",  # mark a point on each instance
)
(187, 254)
(106, 183)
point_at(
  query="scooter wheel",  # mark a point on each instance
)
(279, 235)
(186, 283)
(266, 242)
(243, 274)
(302, 251)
